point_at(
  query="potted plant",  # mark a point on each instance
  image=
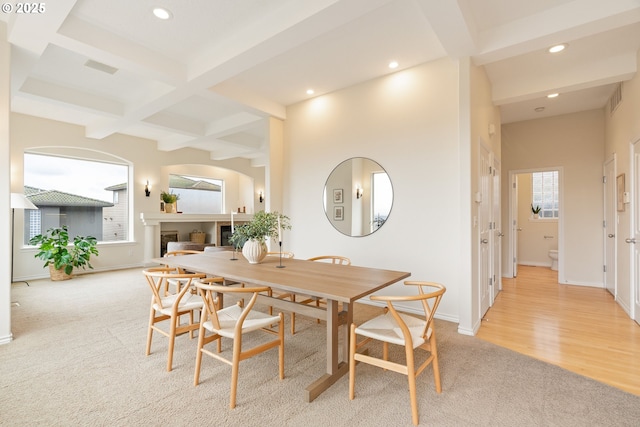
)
(169, 200)
(535, 210)
(53, 248)
(251, 237)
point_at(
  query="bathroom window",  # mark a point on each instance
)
(544, 193)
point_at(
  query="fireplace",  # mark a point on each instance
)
(225, 234)
(167, 236)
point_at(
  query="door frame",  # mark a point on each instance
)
(496, 190)
(513, 216)
(610, 221)
(634, 268)
(484, 202)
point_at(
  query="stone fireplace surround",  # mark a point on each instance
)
(157, 222)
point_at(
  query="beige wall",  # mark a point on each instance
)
(147, 164)
(622, 129)
(574, 143)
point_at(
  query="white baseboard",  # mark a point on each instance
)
(535, 264)
(6, 339)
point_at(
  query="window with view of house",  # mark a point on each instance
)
(90, 197)
(197, 195)
(544, 193)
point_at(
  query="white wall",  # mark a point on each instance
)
(5, 180)
(407, 122)
(574, 142)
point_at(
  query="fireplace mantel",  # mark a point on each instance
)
(153, 224)
(156, 218)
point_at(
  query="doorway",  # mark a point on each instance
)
(531, 236)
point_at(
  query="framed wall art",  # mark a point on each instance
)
(338, 213)
(337, 195)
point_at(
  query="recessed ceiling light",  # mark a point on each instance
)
(393, 64)
(161, 13)
(557, 48)
(310, 92)
(538, 109)
(552, 95)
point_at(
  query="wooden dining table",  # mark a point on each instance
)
(332, 282)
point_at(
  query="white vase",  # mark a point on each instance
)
(254, 251)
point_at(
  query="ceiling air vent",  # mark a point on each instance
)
(100, 66)
(616, 98)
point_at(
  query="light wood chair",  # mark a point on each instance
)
(333, 259)
(171, 306)
(233, 322)
(179, 252)
(397, 328)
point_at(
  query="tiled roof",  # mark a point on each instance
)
(43, 198)
(177, 181)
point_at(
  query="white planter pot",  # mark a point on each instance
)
(254, 251)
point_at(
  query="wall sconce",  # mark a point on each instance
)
(261, 198)
(358, 192)
(147, 189)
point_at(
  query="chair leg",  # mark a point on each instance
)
(235, 367)
(434, 362)
(191, 323)
(411, 375)
(196, 375)
(172, 341)
(352, 361)
(281, 347)
(150, 332)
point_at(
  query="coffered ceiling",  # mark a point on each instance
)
(211, 75)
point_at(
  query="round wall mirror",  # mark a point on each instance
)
(358, 196)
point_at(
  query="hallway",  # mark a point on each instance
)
(581, 329)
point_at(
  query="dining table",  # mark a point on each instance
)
(339, 285)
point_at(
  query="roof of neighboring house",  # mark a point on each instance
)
(41, 198)
(117, 187)
(177, 181)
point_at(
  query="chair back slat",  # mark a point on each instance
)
(333, 259)
(158, 277)
(209, 291)
(428, 299)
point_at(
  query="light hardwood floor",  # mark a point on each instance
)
(581, 329)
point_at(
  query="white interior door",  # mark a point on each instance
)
(514, 224)
(497, 232)
(610, 226)
(484, 226)
(635, 228)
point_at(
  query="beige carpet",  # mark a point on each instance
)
(77, 359)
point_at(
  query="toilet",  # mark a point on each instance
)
(553, 254)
